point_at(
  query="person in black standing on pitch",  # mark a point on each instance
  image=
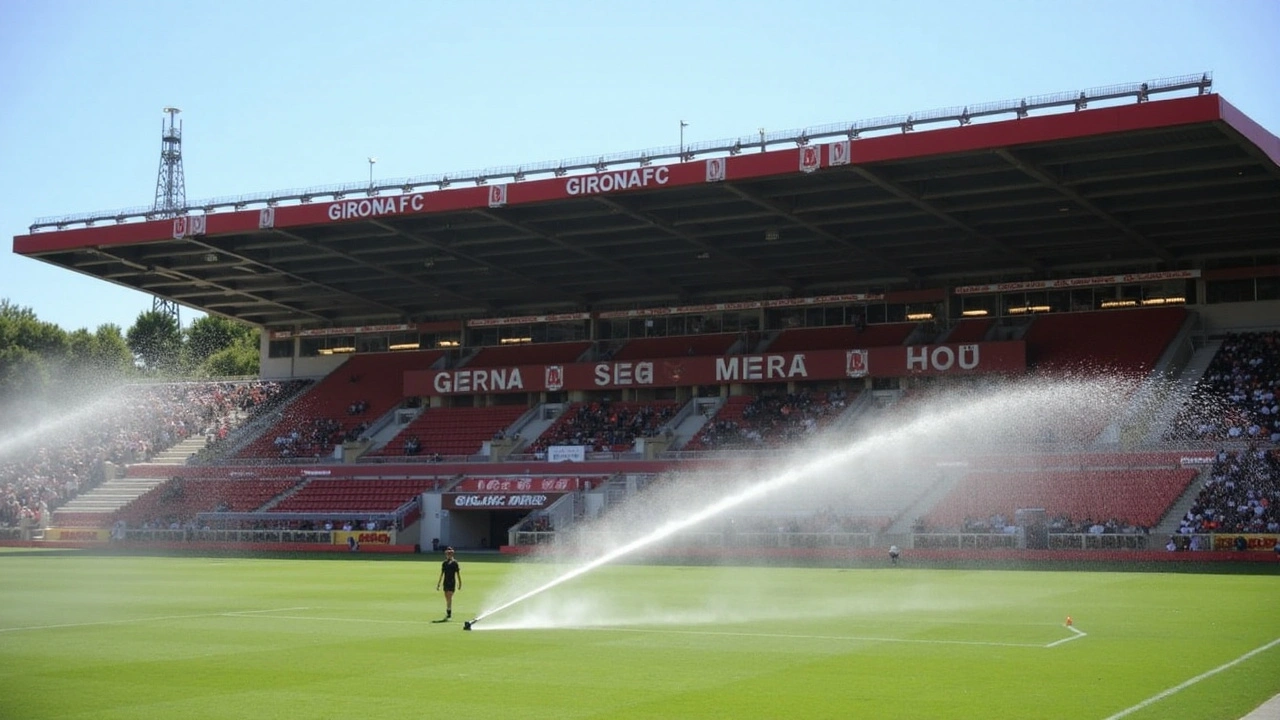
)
(450, 580)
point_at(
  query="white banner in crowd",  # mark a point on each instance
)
(566, 453)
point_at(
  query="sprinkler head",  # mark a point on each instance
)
(467, 625)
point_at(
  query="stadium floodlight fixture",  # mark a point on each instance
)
(372, 162)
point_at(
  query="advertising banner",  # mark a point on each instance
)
(895, 361)
(1252, 542)
(498, 501)
(365, 537)
(80, 535)
(524, 484)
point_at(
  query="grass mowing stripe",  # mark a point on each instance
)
(1202, 676)
(161, 618)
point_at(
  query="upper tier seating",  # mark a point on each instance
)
(529, 354)
(453, 431)
(606, 427)
(1110, 341)
(677, 346)
(1236, 398)
(842, 337)
(768, 420)
(321, 418)
(970, 330)
(1138, 497)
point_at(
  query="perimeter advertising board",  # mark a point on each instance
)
(896, 361)
(78, 535)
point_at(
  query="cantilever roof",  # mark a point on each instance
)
(1149, 186)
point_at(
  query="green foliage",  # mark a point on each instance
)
(22, 372)
(113, 353)
(38, 358)
(213, 334)
(239, 358)
(156, 340)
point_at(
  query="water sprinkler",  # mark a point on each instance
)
(467, 625)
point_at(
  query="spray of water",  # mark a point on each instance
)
(974, 419)
(42, 421)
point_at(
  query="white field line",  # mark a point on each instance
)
(1202, 676)
(1078, 634)
(142, 620)
(273, 615)
(847, 638)
(854, 638)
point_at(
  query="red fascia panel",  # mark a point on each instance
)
(950, 141)
(1253, 132)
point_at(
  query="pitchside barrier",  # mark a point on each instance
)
(313, 537)
(326, 539)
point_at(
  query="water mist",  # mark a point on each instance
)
(835, 470)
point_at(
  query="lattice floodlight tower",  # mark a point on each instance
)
(171, 188)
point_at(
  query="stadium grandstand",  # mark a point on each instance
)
(487, 360)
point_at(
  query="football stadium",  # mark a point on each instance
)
(969, 412)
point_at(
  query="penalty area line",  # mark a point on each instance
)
(1202, 676)
(786, 636)
(1078, 634)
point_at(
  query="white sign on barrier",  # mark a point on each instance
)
(566, 453)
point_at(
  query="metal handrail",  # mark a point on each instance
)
(1022, 107)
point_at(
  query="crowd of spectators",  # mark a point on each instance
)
(771, 420)
(316, 437)
(1062, 523)
(1236, 398)
(1242, 495)
(45, 462)
(604, 426)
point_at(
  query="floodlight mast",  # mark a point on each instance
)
(171, 192)
(171, 183)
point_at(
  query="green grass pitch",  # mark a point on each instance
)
(103, 637)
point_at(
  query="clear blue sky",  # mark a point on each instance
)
(282, 94)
